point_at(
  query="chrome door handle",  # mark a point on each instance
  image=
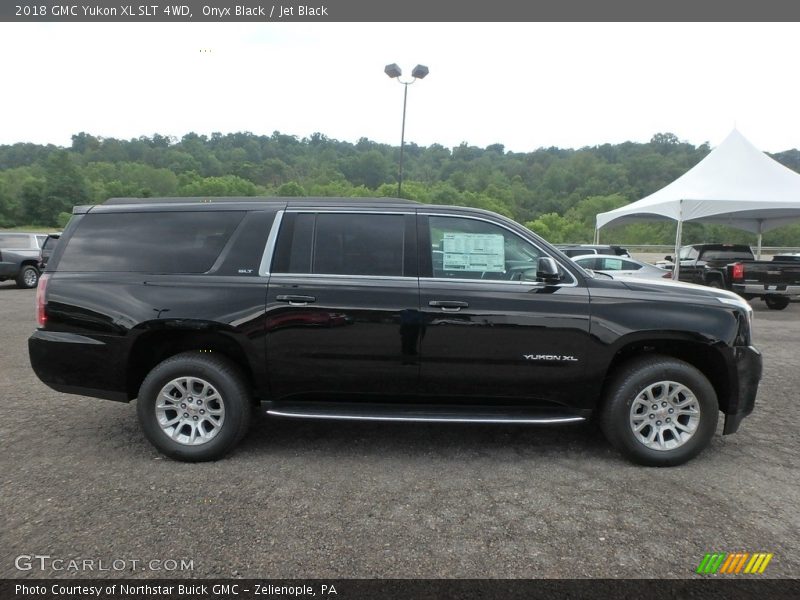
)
(449, 305)
(296, 300)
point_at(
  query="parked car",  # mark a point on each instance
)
(792, 257)
(377, 309)
(19, 257)
(618, 266)
(572, 250)
(734, 267)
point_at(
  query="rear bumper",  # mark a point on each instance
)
(748, 364)
(77, 364)
(761, 289)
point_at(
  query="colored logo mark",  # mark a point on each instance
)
(734, 563)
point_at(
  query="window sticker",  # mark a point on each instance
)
(474, 252)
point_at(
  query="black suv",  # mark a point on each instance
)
(376, 309)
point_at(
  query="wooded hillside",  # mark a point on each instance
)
(556, 192)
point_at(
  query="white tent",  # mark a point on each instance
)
(736, 185)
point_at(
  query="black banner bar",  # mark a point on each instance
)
(406, 11)
(707, 588)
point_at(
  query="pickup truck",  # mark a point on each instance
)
(19, 257)
(734, 267)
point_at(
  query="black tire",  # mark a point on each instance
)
(28, 277)
(715, 283)
(223, 377)
(628, 386)
(776, 302)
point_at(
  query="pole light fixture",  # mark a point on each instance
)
(395, 72)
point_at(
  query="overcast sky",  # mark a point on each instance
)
(524, 85)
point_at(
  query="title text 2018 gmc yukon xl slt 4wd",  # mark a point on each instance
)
(377, 310)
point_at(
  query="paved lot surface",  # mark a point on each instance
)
(78, 481)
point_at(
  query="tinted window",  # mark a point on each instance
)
(349, 244)
(165, 242)
(727, 255)
(472, 249)
(589, 263)
(341, 244)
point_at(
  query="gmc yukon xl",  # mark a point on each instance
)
(375, 309)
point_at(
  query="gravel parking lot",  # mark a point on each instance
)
(364, 500)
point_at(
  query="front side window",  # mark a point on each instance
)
(471, 249)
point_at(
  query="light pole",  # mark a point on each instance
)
(393, 71)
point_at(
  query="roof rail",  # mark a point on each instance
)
(288, 200)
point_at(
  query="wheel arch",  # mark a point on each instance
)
(156, 345)
(707, 357)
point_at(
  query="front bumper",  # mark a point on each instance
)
(748, 364)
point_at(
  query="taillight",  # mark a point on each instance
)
(738, 271)
(41, 300)
(667, 275)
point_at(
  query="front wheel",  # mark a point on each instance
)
(28, 277)
(659, 411)
(776, 302)
(194, 407)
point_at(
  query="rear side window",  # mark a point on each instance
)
(345, 244)
(165, 242)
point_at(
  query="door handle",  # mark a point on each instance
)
(296, 300)
(449, 305)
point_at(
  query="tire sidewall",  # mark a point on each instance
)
(776, 303)
(638, 376)
(21, 278)
(226, 383)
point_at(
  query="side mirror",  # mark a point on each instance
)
(547, 270)
(668, 258)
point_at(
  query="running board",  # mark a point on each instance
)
(416, 413)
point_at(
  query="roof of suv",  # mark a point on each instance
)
(241, 203)
(299, 201)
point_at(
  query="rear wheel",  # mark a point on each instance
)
(776, 302)
(194, 407)
(659, 411)
(28, 277)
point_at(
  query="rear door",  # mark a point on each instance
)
(488, 334)
(343, 305)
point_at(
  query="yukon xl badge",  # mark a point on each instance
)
(550, 357)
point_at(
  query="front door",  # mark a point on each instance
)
(489, 333)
